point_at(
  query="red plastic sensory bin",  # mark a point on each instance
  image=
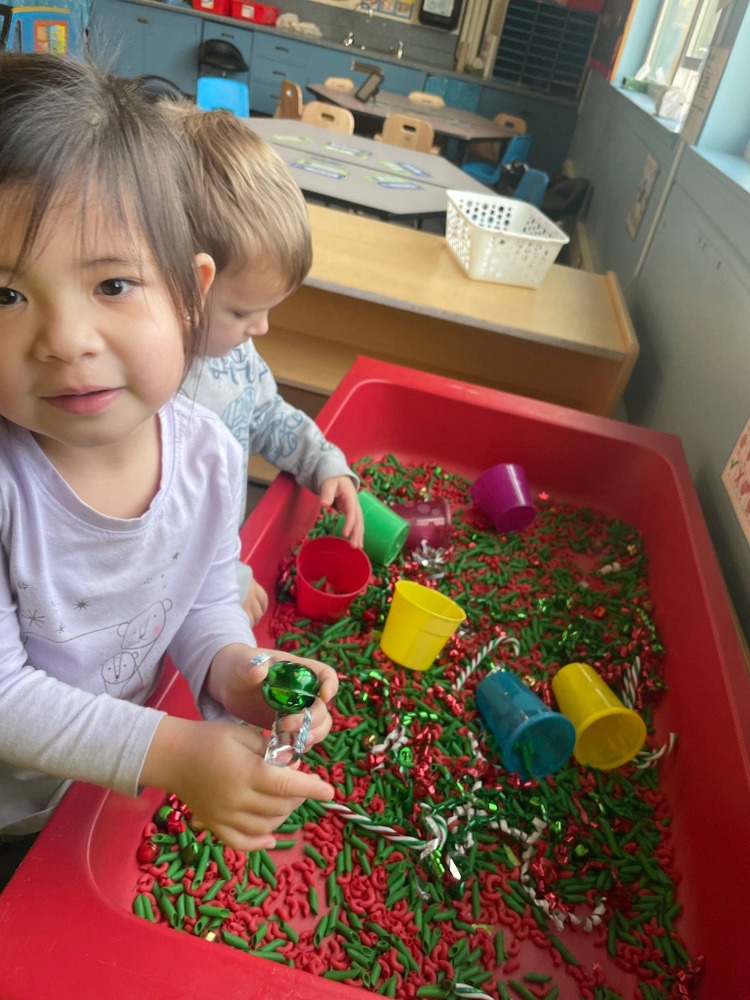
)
(66, 921)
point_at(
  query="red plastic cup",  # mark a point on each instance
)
(503, 494)
(429, 521)
(330, 574)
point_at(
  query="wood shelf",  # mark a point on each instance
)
(397, 294)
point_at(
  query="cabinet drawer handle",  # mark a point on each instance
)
(142, 20)
(226, 34)
(278, 72)
(281, 48)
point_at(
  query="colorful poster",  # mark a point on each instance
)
(51, 36)
(403, 9)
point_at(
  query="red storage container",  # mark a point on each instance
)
(66, 917)
(212, 6)
(259, 13)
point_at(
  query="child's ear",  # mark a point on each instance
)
(205, 269)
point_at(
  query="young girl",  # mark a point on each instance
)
(118, 501)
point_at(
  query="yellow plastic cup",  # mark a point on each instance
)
(419, 623)
(608, 734)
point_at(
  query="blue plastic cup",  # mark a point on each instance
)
(535, 740)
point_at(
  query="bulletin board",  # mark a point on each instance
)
(401, 9)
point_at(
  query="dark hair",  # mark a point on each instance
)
(64, 123)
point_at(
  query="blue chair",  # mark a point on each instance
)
(489, 173)
(455, 93)
(532, 187)
(214, 92)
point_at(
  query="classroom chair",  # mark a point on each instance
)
(532, 186)
(157, 87)
(215, 92)
(489, 150)
(290, 101)
(341, 83)
(489, 173)
(221, 55)
(329, 116)
(515, 123)
(430, 100)
(408, 131)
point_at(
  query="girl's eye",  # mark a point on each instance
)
(10, 297)
(115, 286)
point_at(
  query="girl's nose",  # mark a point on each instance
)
(65, 335)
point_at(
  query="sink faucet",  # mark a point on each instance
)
(349, 43)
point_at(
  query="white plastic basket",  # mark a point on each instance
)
(501, 239)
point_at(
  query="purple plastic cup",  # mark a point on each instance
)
(503, 494)
(429, 521)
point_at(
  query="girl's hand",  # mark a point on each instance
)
(217, 769)
(236, 683)
(255, 604)
(340, 493)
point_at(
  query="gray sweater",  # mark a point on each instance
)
(241, 390)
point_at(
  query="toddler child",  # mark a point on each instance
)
(249, 215)
(119, 501)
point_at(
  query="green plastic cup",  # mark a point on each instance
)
(385, 530)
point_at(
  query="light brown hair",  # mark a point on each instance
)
(246, 209)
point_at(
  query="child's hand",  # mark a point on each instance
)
(236, 684)
(340, 493)
(217, 769)
(255, 604)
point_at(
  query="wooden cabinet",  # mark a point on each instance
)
(275, 58)
(135, 39)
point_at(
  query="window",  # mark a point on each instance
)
(681, 40)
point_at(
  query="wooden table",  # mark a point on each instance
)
(451, 123)
(399, 295)
(356, 172)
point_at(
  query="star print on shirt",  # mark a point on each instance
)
(81, 605)
(34, 617)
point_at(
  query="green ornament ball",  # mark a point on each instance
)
(290, 687)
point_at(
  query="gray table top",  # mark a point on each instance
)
(455, 123)
(427, 168)
(386, 180)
